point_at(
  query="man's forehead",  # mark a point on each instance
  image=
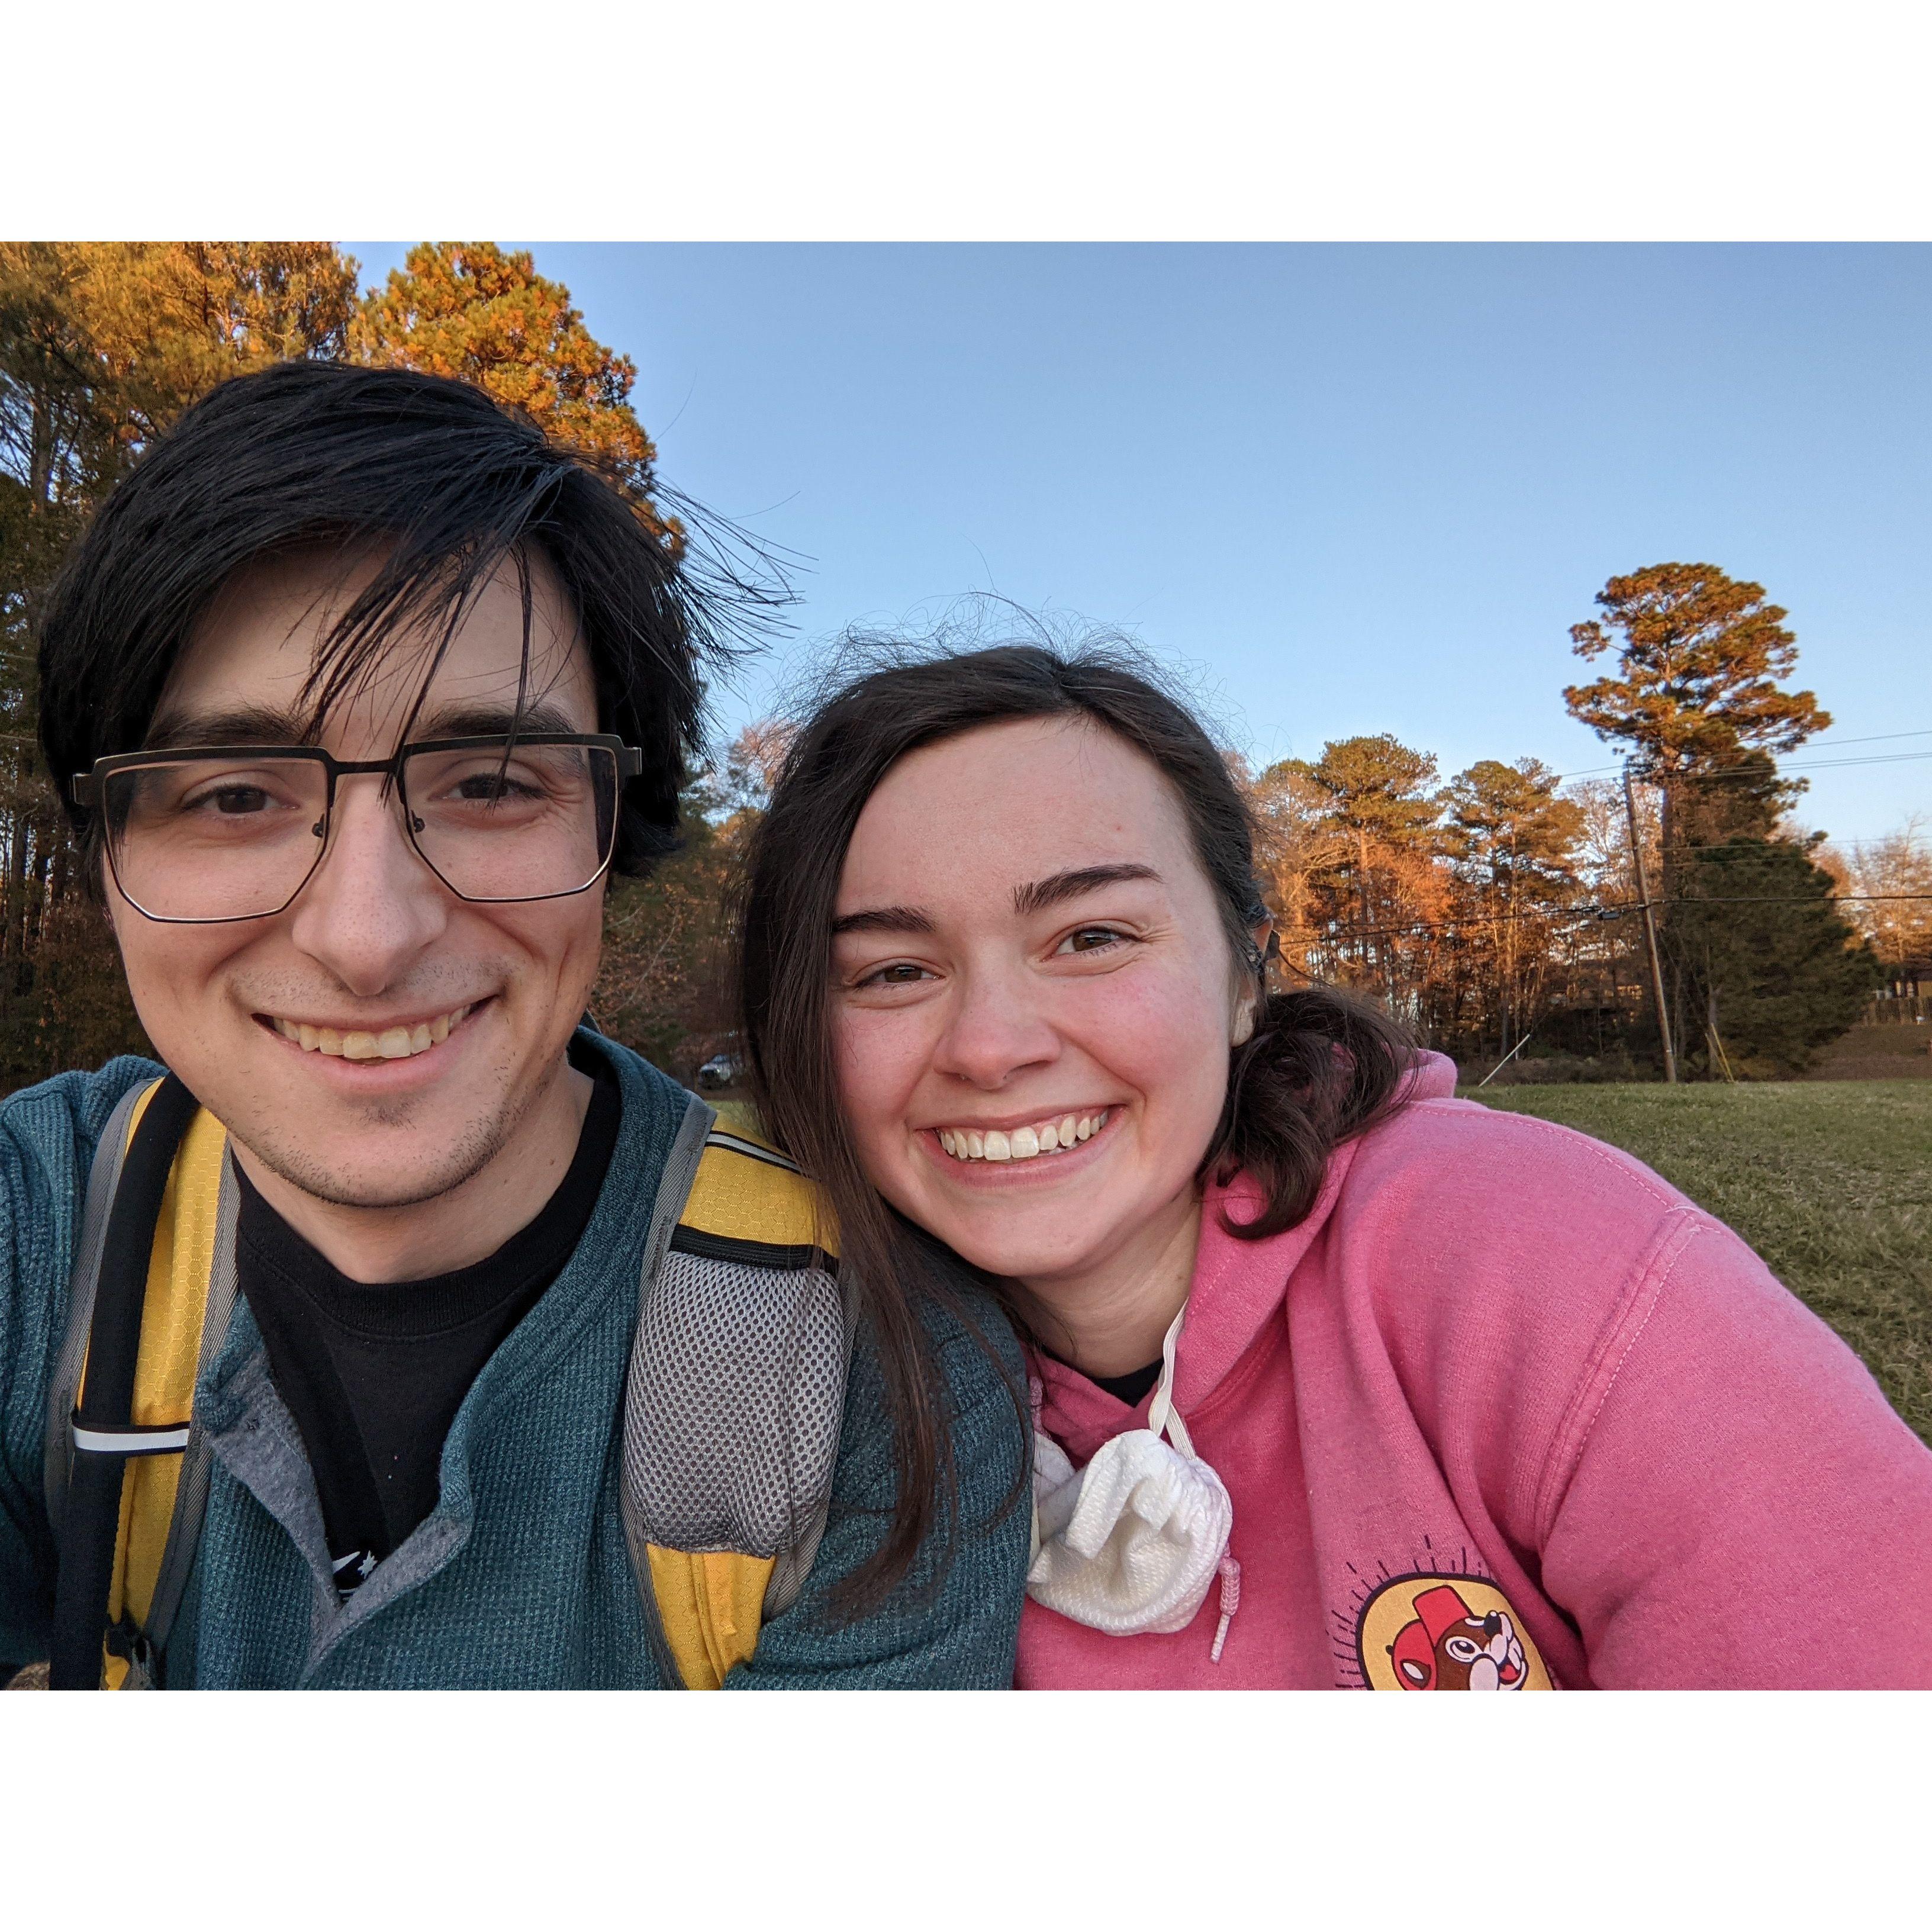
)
(262, 642)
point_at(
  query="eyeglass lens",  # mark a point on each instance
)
(225, 836)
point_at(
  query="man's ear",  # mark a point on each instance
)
(113, 907)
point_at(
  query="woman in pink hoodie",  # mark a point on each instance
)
(1337, 1380)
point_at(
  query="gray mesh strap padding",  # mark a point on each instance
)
(733, 1405)
(687, 1149)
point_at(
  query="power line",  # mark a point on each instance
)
(1870, 758)
(1729, 848)
(1762, 777)
(1745, 774)
(1874, 738)
(1924, 731)
(1596, 912)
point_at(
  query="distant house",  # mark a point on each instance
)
(1910, 980)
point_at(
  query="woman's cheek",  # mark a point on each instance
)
(1155, 1031)
(881, 1054)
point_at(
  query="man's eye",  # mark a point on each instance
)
(231, 800)
(491, 788)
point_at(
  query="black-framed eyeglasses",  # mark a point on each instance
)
(210, 833)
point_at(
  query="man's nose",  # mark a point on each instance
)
(373, 904)
(994, 1030)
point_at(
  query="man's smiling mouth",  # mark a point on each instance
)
(395, 1043)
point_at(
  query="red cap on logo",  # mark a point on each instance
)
(1413, 1653)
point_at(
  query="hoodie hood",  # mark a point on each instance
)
(1237, 1286)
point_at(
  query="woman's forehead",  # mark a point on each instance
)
(1005, 805)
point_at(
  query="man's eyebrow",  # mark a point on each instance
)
(884, 919)
(1064, 885)
(236, 724)
(266, 724)
(478, 721)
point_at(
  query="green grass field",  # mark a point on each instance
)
(1830, 1181)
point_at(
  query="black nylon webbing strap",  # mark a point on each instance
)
(106, 1407)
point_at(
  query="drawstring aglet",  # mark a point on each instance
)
(1230, 1572)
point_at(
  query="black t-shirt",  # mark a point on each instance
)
(1129, 1387)
(373, 1374)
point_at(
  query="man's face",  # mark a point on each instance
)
(374, 941)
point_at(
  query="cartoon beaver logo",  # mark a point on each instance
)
(1447, 1646)
(1445, 1633)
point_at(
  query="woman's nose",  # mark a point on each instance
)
(995, 1029)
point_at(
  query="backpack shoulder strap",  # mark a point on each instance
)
(749, 1202)
(64, 1383)
(130, 1461)
(733, 1403)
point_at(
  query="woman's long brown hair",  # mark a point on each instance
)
(1319, 1067)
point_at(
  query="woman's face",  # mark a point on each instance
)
(1032, 999)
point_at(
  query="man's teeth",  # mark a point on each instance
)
(1023, 1143)
(396, 1043)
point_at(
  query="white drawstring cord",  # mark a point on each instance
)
(1163, 1415)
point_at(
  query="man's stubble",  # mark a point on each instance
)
(480, 1143)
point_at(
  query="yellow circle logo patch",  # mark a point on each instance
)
(1445, 1633)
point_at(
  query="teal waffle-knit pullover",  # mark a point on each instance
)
(520, 1577)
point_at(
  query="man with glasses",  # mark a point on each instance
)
(357, 690)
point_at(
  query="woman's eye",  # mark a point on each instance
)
(1090, 939)
(900, 972)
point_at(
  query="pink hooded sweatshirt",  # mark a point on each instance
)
(1507, 1411)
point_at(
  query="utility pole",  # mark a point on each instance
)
(1650, 935)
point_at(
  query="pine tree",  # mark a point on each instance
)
(1512, 843)
(1770, 972)
(1370, 800)
(468, 310)
(1700, 699)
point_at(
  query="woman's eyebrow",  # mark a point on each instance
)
(1063, 886)
(1031, 898)
(884, 919)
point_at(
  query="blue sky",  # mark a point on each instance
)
(1348, 488)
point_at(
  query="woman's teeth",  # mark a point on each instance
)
(396, 1043)
(1023, 1143)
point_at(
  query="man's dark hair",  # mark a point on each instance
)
(445, 486)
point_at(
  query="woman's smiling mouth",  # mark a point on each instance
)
(1055, 1135)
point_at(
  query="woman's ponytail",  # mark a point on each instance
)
(1319, 1067)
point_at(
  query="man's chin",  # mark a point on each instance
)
(359, 1178)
